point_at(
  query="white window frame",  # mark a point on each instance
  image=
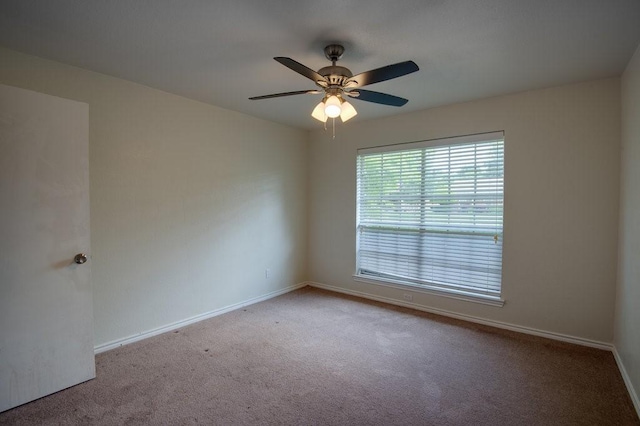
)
(418, 284)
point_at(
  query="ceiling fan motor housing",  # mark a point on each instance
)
(335, 74)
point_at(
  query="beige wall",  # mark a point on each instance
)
(561, 203)
(190, 203)
(627, 331)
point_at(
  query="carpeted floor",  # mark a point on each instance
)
(317, 358)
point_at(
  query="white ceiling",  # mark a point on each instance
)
(221, 52)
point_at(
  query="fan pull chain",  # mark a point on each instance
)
(333, 120)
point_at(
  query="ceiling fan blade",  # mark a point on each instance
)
(301, 69)
(279, 95)
(377, 97)
(382, 74)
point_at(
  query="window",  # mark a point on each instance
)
(430, 214)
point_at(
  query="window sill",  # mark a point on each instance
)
(459, 295)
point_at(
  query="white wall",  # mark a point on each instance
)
(561, 203)
(189, 202)
(627, 331)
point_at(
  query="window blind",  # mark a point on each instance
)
(430, 214)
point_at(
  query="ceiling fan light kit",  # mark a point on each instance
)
(332, 107)
(348, 111)
(338, 82)
(318, 112)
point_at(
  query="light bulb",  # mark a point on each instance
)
(332, 107)
(318, 113)
(348, 111)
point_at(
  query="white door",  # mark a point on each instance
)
(46, 307)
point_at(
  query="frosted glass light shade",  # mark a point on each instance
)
(318, 113)
(348, 111)
(332, 107)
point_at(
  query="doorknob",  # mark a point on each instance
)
(80, 258)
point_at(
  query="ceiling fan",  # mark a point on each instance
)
(337, 83)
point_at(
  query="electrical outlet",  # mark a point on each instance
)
(407, 297)
(267, 273)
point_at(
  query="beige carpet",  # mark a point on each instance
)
(317, 358)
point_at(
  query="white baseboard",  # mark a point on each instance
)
(492, 323)
(627, 381)
(179, 324)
